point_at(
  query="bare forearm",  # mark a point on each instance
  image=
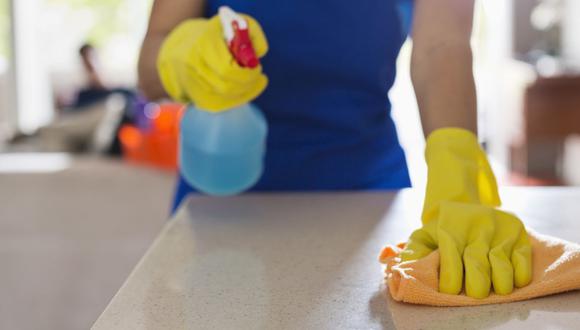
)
(445, 88)
(149, 82)
(165, 16)
(442, 60)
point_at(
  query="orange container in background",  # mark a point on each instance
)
(156, 145)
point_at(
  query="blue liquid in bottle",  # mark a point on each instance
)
(223, 153)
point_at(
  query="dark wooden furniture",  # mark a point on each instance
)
(551, 114)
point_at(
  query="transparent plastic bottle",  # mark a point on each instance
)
(223, 153)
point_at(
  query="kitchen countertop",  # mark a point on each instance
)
(71, 229)
(309, 261)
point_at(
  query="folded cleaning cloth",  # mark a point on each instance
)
(556, 269)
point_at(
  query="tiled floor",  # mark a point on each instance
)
(69, 239)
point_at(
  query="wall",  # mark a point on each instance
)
(8, 119)
(571, 33)
(34, 97)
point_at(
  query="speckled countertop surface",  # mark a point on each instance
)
(308, 261)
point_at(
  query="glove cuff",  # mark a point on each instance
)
(173, 47)
(455, 139)
(458, 170)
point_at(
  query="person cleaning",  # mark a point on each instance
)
(326, 70)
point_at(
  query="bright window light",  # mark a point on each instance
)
(34, 162)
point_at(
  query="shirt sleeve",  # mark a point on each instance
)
(405, 9)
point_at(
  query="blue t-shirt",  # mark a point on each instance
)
(330, 65)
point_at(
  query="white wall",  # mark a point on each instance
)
(33, 92)
(8, 114)
(8, 118)
(494, 45)
(571, 33)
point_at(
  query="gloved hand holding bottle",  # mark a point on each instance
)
(214, 65)
(196, 66)
(488, 246)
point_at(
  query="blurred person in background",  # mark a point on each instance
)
(95, 89)
(323, 86)
(79, 119)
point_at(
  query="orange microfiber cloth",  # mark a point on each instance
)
(556, 269)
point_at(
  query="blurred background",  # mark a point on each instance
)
(87, 164)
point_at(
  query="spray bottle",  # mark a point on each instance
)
(223, 153)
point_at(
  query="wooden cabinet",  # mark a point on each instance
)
(551, 114)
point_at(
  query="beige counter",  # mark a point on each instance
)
(70, 232)
(308, 261)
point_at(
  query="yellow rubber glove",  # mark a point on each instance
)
(195, 65)
(474, 238)
(457, 170)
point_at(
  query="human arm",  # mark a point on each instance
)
(165, 16)
(441, 64)
(190, 61)
(480, 246)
